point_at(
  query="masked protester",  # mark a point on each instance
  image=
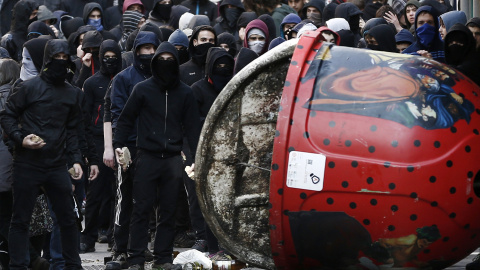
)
(24, 13)
(180, 41)
(99, 196)
(90, 61)
(288, 23)
(116, 97)
(203, 38)
(381, 38)
(163, 106)
(313, 11)
(131, 20)
(46, 100)
(428, 43)
(256, 37)
(371, 9)
(165, 13)
(351, 14)
(242, 23)
(227, 42)
(93, 15)
(245, 57)
(230, 11)
(460, 52)
(32, 60)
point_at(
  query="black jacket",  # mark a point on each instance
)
(92, 39)
(49, 111)
(95, 89)
(205, 7)
(13, 40)
(164, 115)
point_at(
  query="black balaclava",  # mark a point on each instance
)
(162, 11)
(232, 15)
(110, 67)
(165, 72)
(201, 52)
(56, 71)
(229, 39)
(145, 60)
(222, 75)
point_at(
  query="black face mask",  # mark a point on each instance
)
(145, 60)
(110, 65)
(455, 54)
(56, 71)
(183, 55)
(219, 81)
(232, 15)
(166, 73)
(162, 11)
(374, 47)
(201, 52)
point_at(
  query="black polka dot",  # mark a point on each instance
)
(291, 121)
(434, 204)
(445, 239)
(273, 227)
(300, 47)
(436, 144)
(366, 222)
(281, 243)
(353, 205)
(373, 128)
(394, 208)
(468, 149)
(475, 131)
(417, 143)
(373, 202)
(291, 148)
(433, 179)
(391, 228)
(313, 113)
(453, 190)
(270, 206)
(391, 186)
(452, 215)
(467, 226)
(475, 94)
(426, 251)
(354, 164)
(453, 129)
(295, 99)
(331, 123)
(313, 210)
(470, 174)
(280, 191)
(306, 135)
(274, 167)
(326, 141)
(285, 212)
(413, 217)
(331, 164)
(345, 184)
(394, 143)
(454, 249)
(294, 63)
(275, 254)
(369, 180)
(308, 62)
(330, 201)
(387, 164)
(287, 83)
(473, 236)
(449, 163)
(470, 200)
(413, 195)
(277, 133)
(371, 149)
(348, 143)
(303, 195)
(410, 168)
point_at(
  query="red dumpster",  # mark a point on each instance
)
(338, 158)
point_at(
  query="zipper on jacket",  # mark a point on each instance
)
(166, 114)
(98, 114)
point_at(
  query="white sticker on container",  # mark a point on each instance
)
(306, 170)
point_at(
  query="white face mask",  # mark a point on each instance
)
(28, 69)
(256, 46)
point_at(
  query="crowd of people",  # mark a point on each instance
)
(86, 84)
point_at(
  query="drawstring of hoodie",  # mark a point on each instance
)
(93, 67)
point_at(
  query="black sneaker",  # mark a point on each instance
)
(118, 262)
(136, 267)
(102, 236)
(84, 248)
(200, 245)
(166, 266)
(148, 255)
(183, 241)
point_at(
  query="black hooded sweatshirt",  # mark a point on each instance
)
(164, 114)
(351, 13)
(464, 58)
(193, 70)
(14, 39)
(222, 23)
(96, 87)
(203, 90)
(385, 36)
(92, 39)
(48, 110)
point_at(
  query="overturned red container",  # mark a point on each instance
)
(338, 157)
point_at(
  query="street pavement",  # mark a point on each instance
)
(95, 260)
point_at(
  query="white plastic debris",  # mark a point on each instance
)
(191, 256)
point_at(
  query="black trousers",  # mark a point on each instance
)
(162, 176)
(27, 180)
(196, 216)
(99, 198)
(123, 206)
